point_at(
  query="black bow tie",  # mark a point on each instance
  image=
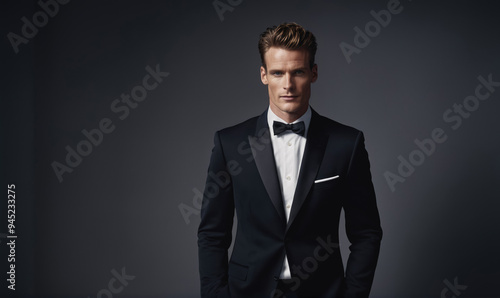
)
(280, 127)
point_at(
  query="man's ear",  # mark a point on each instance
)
(263, 75)
(314, 73)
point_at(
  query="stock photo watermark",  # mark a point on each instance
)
(362, 38)
(455, 288)
(221, 7)
(95, 136)
(223, 178)
(116, 284)
(309, 265)
(11, 236)
(454, 117)
(30, 27)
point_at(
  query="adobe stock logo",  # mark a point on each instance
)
(217, 182)
(455, 288)
(310, 264)
(454, 116)
(30, 28)
(221, 7)
(372, 29)
(120, 106)
(116, 284)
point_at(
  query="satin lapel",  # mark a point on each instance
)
(263, 154)
(313, 154)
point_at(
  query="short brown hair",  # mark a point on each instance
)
(290, 36)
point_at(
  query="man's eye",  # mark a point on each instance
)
(277, 73)
(299, 72)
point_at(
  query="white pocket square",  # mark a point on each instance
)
(326, 179)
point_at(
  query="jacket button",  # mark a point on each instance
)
(276, 278)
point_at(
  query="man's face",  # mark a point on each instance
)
(288, 78)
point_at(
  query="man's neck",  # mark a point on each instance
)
(287, 117)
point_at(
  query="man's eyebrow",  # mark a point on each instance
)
(295, 69)
(274, 69)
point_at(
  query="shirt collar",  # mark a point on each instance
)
(271, 117)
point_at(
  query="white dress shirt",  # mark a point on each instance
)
(288, 150)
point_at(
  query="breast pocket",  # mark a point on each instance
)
(327, 182)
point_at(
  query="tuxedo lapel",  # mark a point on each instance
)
(313, 154)
(263, 154)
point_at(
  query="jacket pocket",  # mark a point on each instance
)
(327, 179)
(237, 271)
(327, 183)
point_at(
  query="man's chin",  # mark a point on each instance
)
(292, 114)
(293, 108)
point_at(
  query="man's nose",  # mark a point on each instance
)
(288, 84)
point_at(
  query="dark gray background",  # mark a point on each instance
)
(120, 206)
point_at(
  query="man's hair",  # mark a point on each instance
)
(289, 36)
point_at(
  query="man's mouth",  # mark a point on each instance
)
(288, 97)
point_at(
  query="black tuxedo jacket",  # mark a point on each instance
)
(242, 177)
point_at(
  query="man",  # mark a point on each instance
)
(288, 173)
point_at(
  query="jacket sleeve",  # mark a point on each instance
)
(215, 230)
(362, 224)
